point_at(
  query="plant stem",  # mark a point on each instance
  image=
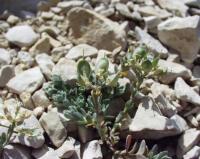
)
(100, 118)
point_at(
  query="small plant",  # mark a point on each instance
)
(88, 101)
(12, 120)
(140, 150)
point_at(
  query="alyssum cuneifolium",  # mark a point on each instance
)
(88, 101)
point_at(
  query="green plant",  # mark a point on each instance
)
(88, 101)
(13, 120)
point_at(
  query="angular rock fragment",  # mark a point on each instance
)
(149, 121)
(185, 93)
(151, 43)
(86, 26)
(66, 69)
(81, 50)
(181, 34)
(27, 81)
(190, 138)
(54, 128)
(21, 36)
(172, 71)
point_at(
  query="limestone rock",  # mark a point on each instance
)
(173, 70)
(25, 58)
(185, 93)
(152, 11)
(193, 153)
(172, 5)
(92, 150)
(67, 5)
(27, 81)
(66, 69)
(151, 43)
(181, 34)
(13, 19)
(21, 36)
(88, 27)
(190, 138)
(46, 64)
(81, 50)
(5, 57)
(40, 99)
(41, 46)
(55, 129)
(35, 141)
(149, 121)
(67, 149)
(45, 153)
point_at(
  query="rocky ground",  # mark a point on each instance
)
(35, 48)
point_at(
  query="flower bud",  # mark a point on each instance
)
(102, 65)
(83, 68)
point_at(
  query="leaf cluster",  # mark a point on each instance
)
(88, 101)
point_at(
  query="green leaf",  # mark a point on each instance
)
(155, 62)
(3, 138)
(83, 68)
(102, 65)
(147, 66)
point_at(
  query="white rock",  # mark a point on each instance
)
(151, 43)
(47, 15)
(55, 129)
(46, 64)
(38, 111)
(54, 43)
(27, 81)
(27, 100)
(190, 138)
(153, 11)
(25, 58)
(81, 50)
(157, 88)
(193, 153)
(173, 70)
(171, 5)
(67, 69)
(97, 30)
(41, 46)
(5, 57)
(77, 153)
(67, 149)
(92, 150)
(16, 152)
(181, 34)
(149, 121)
(185, 93)
(152, 22)
(45, 153)
(35, 141)
(165, 106)
(124, 10)
(6, 73)
(21, 35)
(40, 99)
(13, 19)
(67, 5)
